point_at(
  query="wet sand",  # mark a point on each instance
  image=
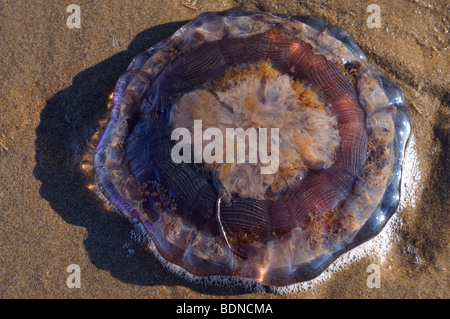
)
(54, 90)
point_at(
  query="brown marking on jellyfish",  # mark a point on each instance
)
(277, 185)
(233, 75)
(304, 143)
(338, 225)
(314, 232)
(225, 169)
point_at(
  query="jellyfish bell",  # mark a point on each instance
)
(342, 129)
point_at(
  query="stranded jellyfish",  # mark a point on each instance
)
(254, 145)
